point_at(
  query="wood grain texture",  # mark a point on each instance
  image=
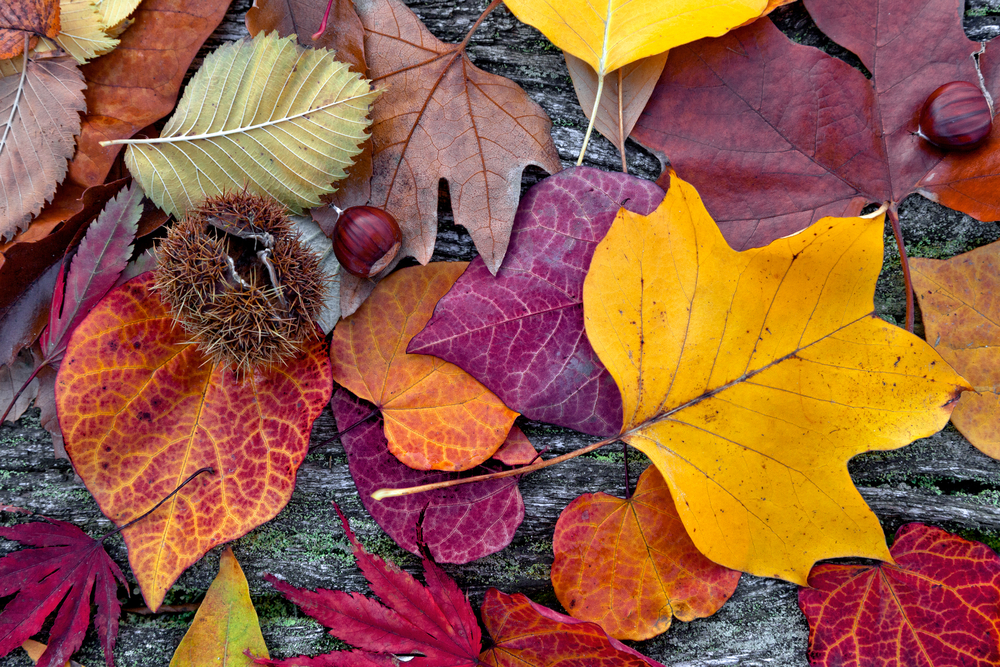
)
(942, 480)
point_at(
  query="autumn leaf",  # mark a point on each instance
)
(629, 566)
(248, 102)
(610, 36)
(138, 83)
(961, 321)
(35, 650)
(99, 260)
(521, 333)
(116, 11)
(165, 412)
(39, 111)
(82, 30)
(441, 117)
(129, 88)
(63, 570)
(26, 18)
(526, 633)
(624, 95)
(751, 378)
(434, 621)
(458, 525)
(776, 135)
(346, 36)
(437, 417)
(16, 377)
(937, 605)
(435, 626)
(225, 625)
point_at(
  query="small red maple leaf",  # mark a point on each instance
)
(65, 568)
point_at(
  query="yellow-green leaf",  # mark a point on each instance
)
(751, 378)
(82, 30)
(267, 115)
(226, 624)
(116, 11)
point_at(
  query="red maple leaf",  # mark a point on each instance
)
(65, 568)
(435, 626)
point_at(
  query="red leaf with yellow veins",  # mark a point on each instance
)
(437, 416)
(938, 605)
(961, 316)
(630, 566)
(526, 633)
(141, 409)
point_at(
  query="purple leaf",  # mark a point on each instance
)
(98, 262)
(460, 524)
(521, 333)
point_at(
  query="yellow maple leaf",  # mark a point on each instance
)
(751, 378)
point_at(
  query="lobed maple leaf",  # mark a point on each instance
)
(63, 571)
(937, 605)
(434, 625)
(751, 378)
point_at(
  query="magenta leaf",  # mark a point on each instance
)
(65, 568)
(521, 333)
(99, 260)
(460, 524)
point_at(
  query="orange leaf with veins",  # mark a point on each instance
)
(437, 416)
(141, 409)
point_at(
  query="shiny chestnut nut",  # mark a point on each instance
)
(365, 240)
(956, 116)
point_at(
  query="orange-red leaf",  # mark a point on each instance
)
(962, 321)
(141, 409)
(630, 566)
(437, 416)
(525, 633)
(938, 605)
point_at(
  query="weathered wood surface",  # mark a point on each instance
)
(940, 480)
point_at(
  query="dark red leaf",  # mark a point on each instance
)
(435, 621)
(775, 135)
(521, 333)
(460, 524)
(99, 260)
(938, 605)
(64, 568)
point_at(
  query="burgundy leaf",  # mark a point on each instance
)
(100, 259)
(435, 622)
(64, 569)
(521, 333)
(460, 524)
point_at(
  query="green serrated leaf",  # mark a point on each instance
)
(265, 115)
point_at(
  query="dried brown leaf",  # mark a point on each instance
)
(21, 18)
(39, 115)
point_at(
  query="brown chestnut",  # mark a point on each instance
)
(365, 240)
(956, 116)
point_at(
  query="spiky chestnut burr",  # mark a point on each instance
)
(236, 277)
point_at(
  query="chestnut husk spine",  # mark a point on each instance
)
(366, 240)
(956, 116)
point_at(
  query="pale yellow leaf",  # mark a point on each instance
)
(116, 11)
(266, 115)
(82, 30)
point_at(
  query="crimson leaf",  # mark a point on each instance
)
(65, 568)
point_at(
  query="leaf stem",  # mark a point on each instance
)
(382, 494)
(475, 26)
(905, 261)
(322, 25)
(621, 125)
(628, 486)
(340, 433)
(593, 117)
(24, 385)
(17, 100)
(157, 505)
